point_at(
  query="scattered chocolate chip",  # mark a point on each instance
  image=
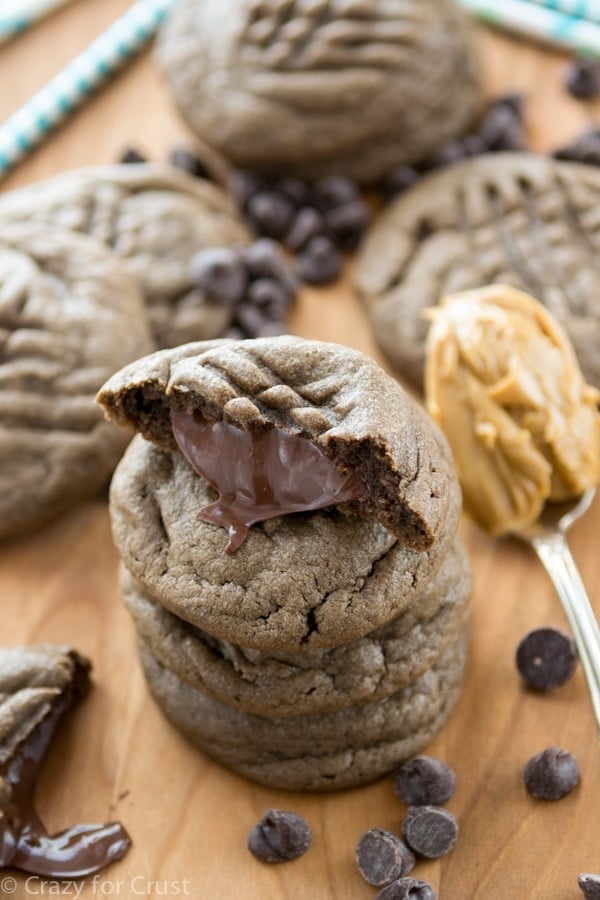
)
(131, 155)
(582, 78)
(279, 836)
(424, 780)
(347, 223)
(187, 161)
(430, 831)
(551, 774)
(270, 213)
(406, 889)
(220, 273)
(250, 319)
(332, 191)
(382, 857)
(399, 179)
(319, 262)
(546, 658)
(307, 223)
(589, 885)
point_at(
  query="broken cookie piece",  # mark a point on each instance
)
(38, 685)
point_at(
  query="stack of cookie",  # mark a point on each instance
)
(325, 642)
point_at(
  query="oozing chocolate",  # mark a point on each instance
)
(24, 842)
(259, 475)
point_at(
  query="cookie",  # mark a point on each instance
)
(155, 219)
(346, 87)
(519, 219)
(317, 579)
(70, 315)
(38, 685)
(309, 681)
(321, 752)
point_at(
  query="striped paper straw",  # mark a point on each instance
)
(581, 9)
(540, 22)
(71, 87)
(28, 12)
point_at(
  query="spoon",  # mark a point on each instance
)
(548, 538)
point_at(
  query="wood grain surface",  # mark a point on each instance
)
(117, 757)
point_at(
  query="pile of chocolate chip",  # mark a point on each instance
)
(255, 280)
(318, 221)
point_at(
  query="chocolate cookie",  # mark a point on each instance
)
(320, 752)
(320, 578)
(38, 685)
(519, 219)
(309, 681)
(155, 219)
(69, 316)
(349, 87)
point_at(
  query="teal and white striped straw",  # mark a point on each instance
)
(27, 13)
(543, 22)
(581, 9)
(70, 88)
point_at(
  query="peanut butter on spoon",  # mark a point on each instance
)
(503, 383)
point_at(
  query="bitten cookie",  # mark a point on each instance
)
(346, 87)
(155, 219)
(519, 219)
(317, 578)
(69, 316)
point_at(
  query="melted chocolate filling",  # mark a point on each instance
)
(259, 475)
(24, 842)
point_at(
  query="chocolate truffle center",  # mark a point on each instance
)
(259, 475)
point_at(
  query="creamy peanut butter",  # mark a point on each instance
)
(503, 382)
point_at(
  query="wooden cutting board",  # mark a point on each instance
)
(117, 757)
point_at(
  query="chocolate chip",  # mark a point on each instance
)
(473, 145)
(399, 179)
(347, 223)
(320, 261)
(279, 836)
(220, 273)
(589, 885)
(406, 889)
(263, 258)
(546, 658)
(268, 293)
(430, 831)
(334, 190)
(448, 153)
(244, 185)
(250, 319)
(187, 161)
(551, 774)
(131, 155)
(270, 213)
(424, 780)
(501, 129)
(514, 100)
(307, 223)
(296, 191)
(582, 78)
(382, 857)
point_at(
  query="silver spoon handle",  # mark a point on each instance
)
(553, 551)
